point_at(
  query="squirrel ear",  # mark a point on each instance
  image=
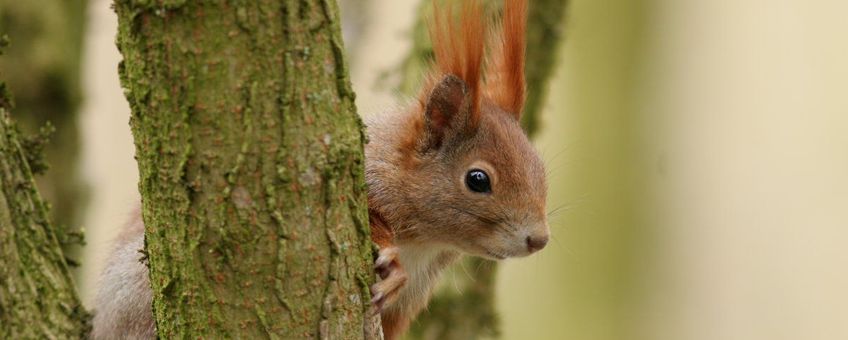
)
(447, 111)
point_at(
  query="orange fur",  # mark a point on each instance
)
(422, 215)
(505, 83)
(458, 47)
(459, 50)
(381, 233)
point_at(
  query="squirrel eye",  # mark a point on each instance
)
(478, 181)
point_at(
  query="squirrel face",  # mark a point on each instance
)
(489, 191)
(457, 169)
(474, 180)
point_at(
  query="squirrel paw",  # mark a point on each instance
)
(392, 278)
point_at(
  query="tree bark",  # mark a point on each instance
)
(37, 296)
(465, 309)
(545, 28)
(250, 154)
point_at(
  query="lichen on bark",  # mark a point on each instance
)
(37, 296)
(251, 168)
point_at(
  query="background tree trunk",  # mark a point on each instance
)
(356, 18)
(37, 296)
(42, 65)
(545, 26)
(251, 165)
(465, 309)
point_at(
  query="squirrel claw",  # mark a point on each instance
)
(392, 278)
(386, 261)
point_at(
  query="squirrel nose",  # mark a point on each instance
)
(536, 243)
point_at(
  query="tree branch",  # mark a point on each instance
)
(37, 296)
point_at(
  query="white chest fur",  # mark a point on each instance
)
(422, 264)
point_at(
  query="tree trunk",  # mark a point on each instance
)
(465, 309)
(37, 296)
(609, 237)
(355, 18)
(42, 65)
(250, 154)
(545, 27)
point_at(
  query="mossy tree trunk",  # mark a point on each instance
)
(465, 309)
(545, 31)
(37, 296)
(250, 154)
(42, 65)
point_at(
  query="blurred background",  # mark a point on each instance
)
(697, 154)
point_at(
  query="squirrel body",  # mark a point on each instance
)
(124, 298)
(450, 174)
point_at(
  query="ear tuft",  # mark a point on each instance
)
(459, 45)
(447, 111)
(505, 84)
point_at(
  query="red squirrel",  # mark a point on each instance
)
(454, 173)
(450, 174)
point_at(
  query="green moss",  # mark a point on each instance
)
(545, 29)
(247, 138)
(33, 147)
(37, 295)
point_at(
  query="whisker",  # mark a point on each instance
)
(405, 230)
(561, 206)
(479, 265)
(505, 218)
(568, 205)
(555, 170)
(559, 209)
(567, 249)
(559, 153)
(503, 214)
(499, 224)
(558, 224)
(467, 274)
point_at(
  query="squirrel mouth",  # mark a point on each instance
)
(495, 255)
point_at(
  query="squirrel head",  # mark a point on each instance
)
(466, 175)
(483, 184)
